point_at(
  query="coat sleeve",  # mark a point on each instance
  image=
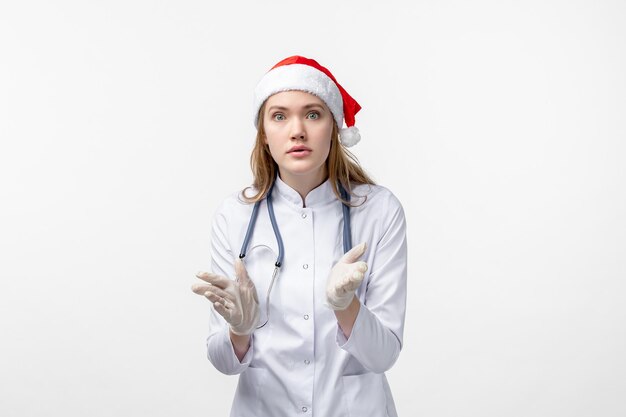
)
(220, 350)
(376, 337)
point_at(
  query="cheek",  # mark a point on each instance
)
(271, 142)
(269, 135)
(328, 131)
(272, 132)
(324, 145)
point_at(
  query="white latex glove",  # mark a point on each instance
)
(345, 277)
(236, 301)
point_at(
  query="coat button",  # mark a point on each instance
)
(304, 409)
(304, 215)
(306, 362)
(305, 266)
(306, 316)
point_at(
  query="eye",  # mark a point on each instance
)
(313, 115)
(278, 117)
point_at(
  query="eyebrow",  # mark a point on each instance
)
(308, 106)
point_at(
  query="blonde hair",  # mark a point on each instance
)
(341, 165)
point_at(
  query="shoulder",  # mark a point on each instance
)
(376, 197)
(234, 205)
(232, 201)
(237, 200)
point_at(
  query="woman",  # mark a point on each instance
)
(313, 330)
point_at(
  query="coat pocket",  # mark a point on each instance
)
(248, 395)
(365, 395)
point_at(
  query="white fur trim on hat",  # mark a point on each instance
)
(302, 78)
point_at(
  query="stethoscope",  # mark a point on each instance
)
(347, 236)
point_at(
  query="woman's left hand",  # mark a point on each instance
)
(345, 278)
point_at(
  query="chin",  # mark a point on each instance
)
(302, 171)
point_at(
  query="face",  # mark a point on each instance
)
(298, 128)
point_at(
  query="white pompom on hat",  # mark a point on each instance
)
(304, 74)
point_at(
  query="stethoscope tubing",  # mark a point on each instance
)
(347, 235)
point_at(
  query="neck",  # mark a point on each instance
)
(303, 184)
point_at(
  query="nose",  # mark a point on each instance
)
(297, 130)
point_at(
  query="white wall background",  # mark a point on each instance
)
(499, 124)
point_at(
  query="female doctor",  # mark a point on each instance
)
(308, 321)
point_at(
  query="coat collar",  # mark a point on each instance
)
(318, 196)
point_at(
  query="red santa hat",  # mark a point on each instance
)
(304, 74)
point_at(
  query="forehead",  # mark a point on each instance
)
(293, 99)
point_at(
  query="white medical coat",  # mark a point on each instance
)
(301, 363)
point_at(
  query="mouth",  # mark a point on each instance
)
(299, 150)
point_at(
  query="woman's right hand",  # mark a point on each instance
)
(236, 301)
